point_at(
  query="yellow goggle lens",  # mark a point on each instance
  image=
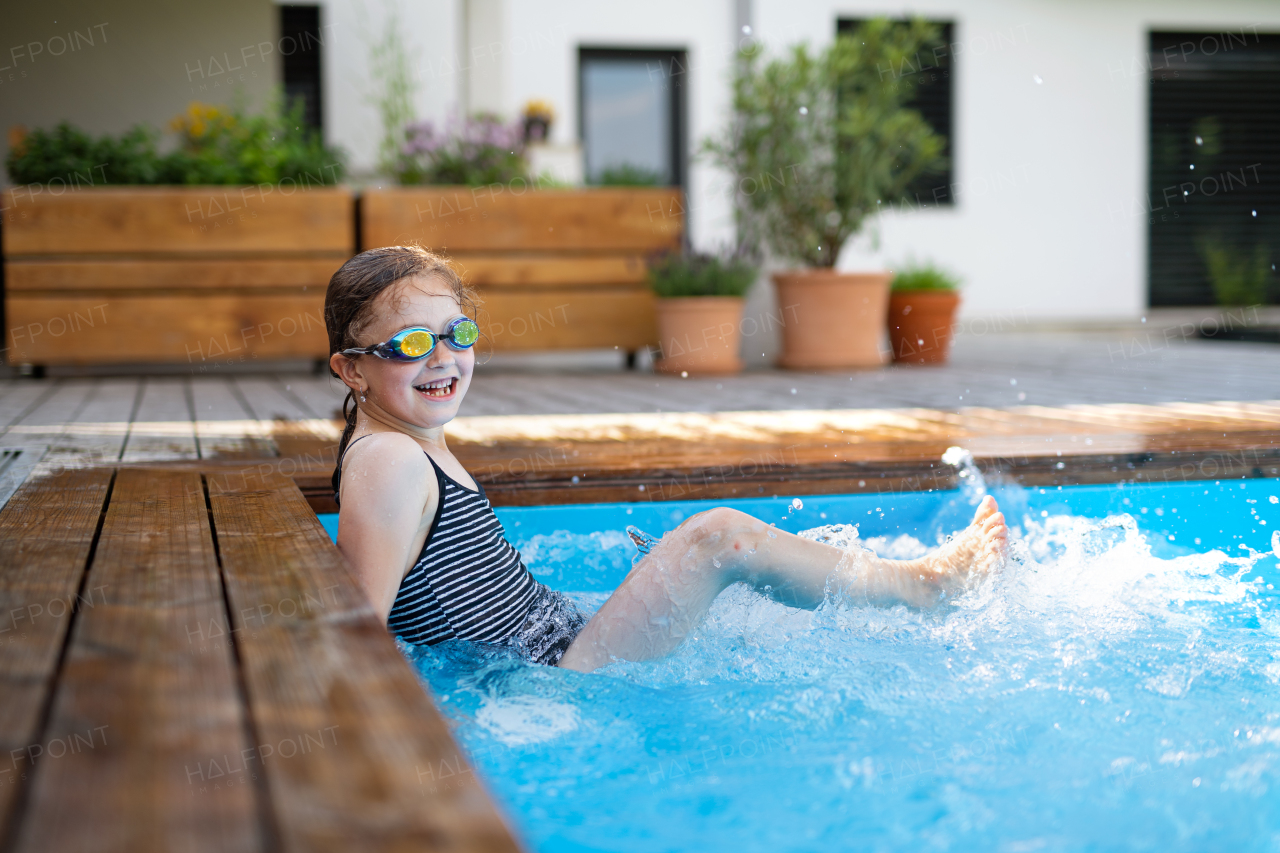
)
(415, 344)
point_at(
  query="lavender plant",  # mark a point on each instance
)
(476, 151)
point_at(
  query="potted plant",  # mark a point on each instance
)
(817, 144)
(922, 306)
(700, 299)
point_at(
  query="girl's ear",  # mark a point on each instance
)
(348, 370)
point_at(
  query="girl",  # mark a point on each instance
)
(428, 551)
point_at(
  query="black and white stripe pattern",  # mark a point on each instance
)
(469, 582)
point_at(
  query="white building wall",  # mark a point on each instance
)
(1050, 147)
(431, 31)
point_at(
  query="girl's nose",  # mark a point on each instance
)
(441, 356)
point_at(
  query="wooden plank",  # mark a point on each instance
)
(96, 433)
(461, 219)
(322, 395)
(180, 220)
(164, 426)
(67, 275)
(568, 319)
(204, 331)
(224, 428)
(266, 399)
(46, 532)
(550, 271)
(317, 662)
(22, 398)
(148, 693)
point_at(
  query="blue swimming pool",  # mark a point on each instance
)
(1117, 687)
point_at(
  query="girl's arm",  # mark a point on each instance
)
(389, 498)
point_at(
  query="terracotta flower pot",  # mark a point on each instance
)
(832, 319)
(699, 334)
(920, 323)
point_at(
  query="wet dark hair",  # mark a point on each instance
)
(352, 291)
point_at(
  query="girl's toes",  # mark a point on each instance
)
(985, 509)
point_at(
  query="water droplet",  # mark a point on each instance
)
(804, 111)
(575, 479)
(1013, 382)
(1038, 80)
(715, 562)
(746, 29)
(793, 390)
(797, 504)
(684, 374)
(1193, 167)
(1255, 213)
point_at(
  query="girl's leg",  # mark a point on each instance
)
(669, 592)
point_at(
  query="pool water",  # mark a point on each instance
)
(1117, 687)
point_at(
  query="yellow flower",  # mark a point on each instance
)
(538, 108)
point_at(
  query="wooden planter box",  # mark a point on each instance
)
(198, 275)
(557, 269)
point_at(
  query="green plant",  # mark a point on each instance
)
(232, 146)
(818, 143)
(217, 146)
(627, 175)
(476, 152)
(677, 275)
(69, 156)
(394, 90)
(1237, 278)
(917, 277)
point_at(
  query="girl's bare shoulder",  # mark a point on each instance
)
(387, 459)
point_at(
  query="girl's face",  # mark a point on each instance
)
(424, 393)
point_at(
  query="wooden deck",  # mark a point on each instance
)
(188, 666)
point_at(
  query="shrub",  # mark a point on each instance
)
(924, 277)
(627, 175)
(217, 146)
(232, 147)
(478, 151)
(677, 275)
(66, 155)
(818, 143)
(1237, 278)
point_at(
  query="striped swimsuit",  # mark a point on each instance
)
(469, 583)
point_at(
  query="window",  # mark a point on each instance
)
(1213, 205)
(300, 44)
(932, 71)
(631, 115)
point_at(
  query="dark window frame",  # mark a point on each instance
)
(306, 63)
(936, 101)
(676, 70)
(1222, 86)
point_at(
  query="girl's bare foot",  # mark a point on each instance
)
(980, 548)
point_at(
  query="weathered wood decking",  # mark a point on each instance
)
(187, 665)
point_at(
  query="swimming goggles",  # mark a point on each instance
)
(416, 343)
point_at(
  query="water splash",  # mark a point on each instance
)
(972, 484)
(1093, 666)
(643, 541)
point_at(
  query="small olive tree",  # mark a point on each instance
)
(817, 143)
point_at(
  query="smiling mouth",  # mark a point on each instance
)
(439, 388)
